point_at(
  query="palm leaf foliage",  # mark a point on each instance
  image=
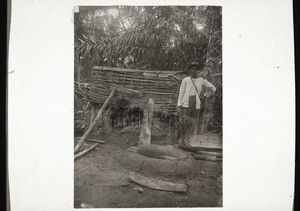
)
(159, 38)
(156, 37)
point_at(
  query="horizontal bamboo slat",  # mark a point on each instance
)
(161, 86)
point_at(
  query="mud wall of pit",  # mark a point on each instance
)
(162, 160)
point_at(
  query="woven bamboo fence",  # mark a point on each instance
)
(161, 86)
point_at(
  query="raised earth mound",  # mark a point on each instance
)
(156, 159)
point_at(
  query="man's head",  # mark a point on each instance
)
(194, 67)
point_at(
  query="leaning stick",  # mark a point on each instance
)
(95, 122)
(107, 110)
(175, 77)
(100, 113)
(93, 140)
(79, 154)
(157, 127)
(93, 114)
(87, 106)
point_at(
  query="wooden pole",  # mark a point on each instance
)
(85, 151)
(122, 117)
(145, 134)
(87, 106)
(139, 116)
(107, 110)
(200, 124)
(112, 122)
(93, 140)
(95, 122)
(102, 125)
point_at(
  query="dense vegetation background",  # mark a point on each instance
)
(152, 38)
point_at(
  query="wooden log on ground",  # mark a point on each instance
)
(93, 140)
(157, 184)
(79, 154)
(96, 141)
(95, 122)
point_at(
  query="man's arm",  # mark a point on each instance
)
(209, 85)
(211, 88)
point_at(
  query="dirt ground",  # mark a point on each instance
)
(102, 182)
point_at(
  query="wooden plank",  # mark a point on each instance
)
(149, 87)
(157, 184)
(216, 154)
(205, 141)
(207, 158)
(130, 70)
(204, 146)
(101, 98)
(119, 75)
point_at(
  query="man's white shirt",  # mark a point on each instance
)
(187, 89)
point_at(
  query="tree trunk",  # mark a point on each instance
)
(145, 135)
(95, 122)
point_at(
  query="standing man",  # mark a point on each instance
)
(189, 103)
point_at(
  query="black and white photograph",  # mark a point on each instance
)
(147, 106)
(141, 105)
